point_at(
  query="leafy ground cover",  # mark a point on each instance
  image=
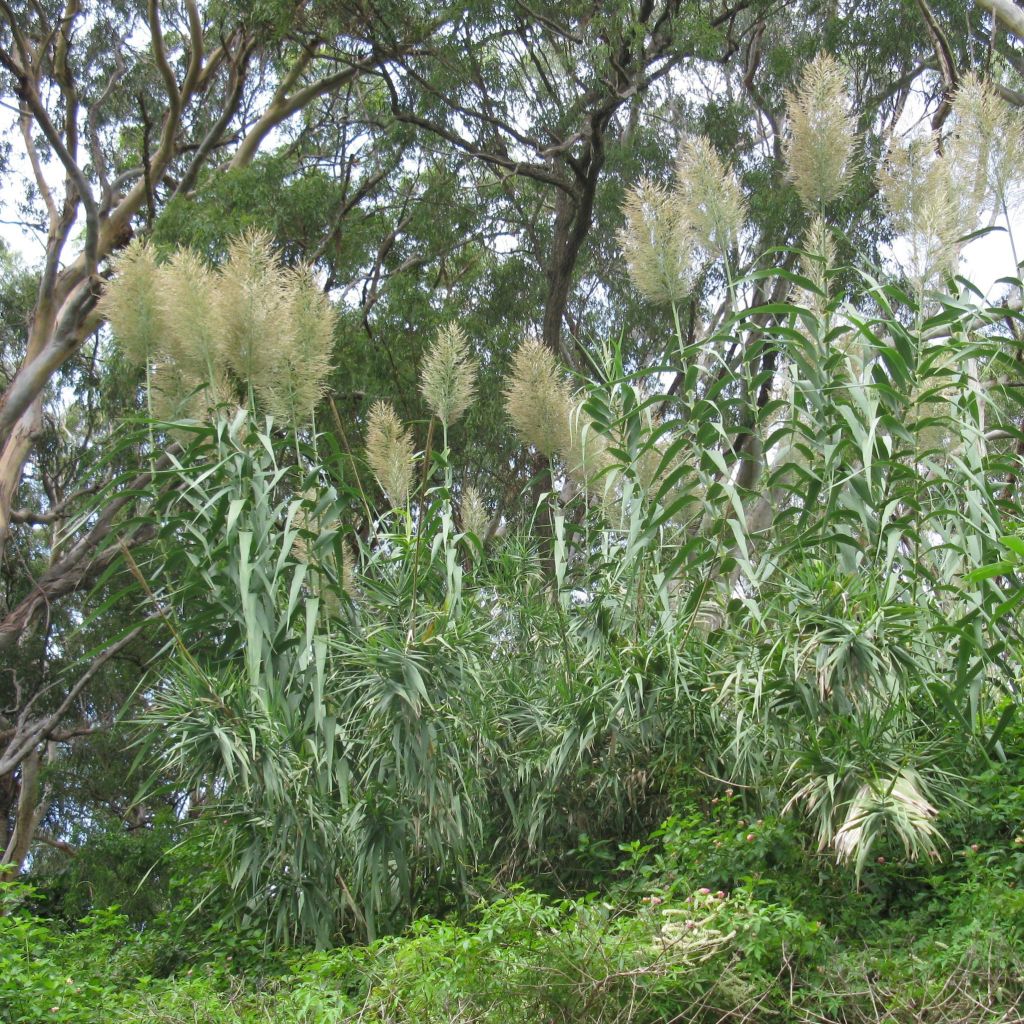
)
(716, 916)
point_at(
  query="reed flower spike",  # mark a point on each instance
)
(475, 517)
(187, 292)
(297, 366)
(448, 376)
(823, 136)
(658, 243)
(131, 303)
(926, 199)
(986, 146)
(709, 196)
(389, 451)
(538, 400)
(251, 307)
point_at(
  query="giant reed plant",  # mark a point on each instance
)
(759, 577)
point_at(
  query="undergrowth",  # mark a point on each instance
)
(717, 916)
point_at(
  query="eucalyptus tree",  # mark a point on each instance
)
(119, 110)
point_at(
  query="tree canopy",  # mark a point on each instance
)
(435, 432)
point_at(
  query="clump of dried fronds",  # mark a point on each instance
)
(389, 451)
(448, 375)
(538, 400)
(658, 243)
(132, 304)
(709, 197)
(823, 136)
(897, 805)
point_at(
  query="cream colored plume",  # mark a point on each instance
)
(252, 307)
(448, 375)
(537, 399)
(709, 196)
(822, 133)
(131, 303)
(818, 261)
(389, 451)
(187, 294)
(175, 393)
(251, 326)
(658, 243)
(348, 569)
(986, 145)
(926, 198)
(475, 517)
(299, 360)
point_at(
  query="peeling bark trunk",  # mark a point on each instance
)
(31, 809)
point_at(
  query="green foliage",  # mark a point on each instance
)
(650, 947)
(366, 739)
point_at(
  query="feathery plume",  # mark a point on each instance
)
(448, 376)
(986, 146)
(348, 569)
(174, 392)
(820, 150)
(389, 451)
(818, 260)
(658, 243)
(475, 517)
(251, 307)
(131, 303)
(187, 294)
(926, 201)
(709, 196)
(537, 399)
(297, 366)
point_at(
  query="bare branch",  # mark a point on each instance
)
(41, 729)
(87, 559)
(25, 122)
(216, 133)
(283, 106)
